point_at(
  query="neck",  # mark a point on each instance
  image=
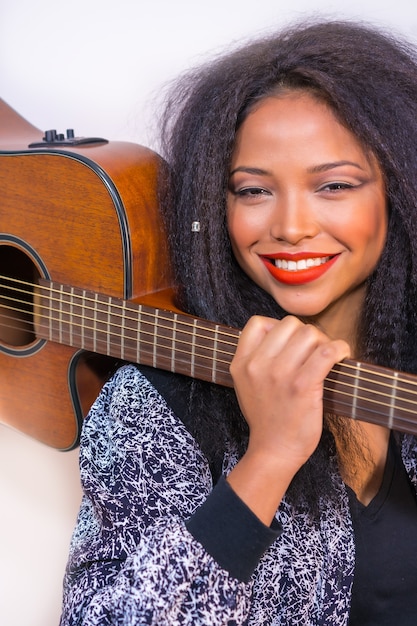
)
(362, 452)
(341, 319)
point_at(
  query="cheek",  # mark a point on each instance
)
(366, 246)
(245, 227)
(241, 237)
(239, 232)
(374, 231)
(365, 227)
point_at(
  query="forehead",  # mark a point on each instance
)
(296, 123)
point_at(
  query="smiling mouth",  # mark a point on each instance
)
(302, 264)
(298, 271)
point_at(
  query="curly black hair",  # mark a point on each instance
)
(369, 79)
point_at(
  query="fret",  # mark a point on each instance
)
(50, 323)
(94, 324)
(168, 347)
(71, 316)
(355, 391)
(173, 344)
(65, 322)
(392, 408)
(122, 332)
(155, 340)
(186, 345)
(116, 336)
(57, 317)
(60, 322)
(214, 361)
(203, 357)
(109, 326)
(83, 300)
(193, 348)
(138, 344)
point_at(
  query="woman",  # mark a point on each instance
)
(291, 206)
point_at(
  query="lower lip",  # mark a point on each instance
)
(298, 277)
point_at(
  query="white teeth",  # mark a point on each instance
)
(302, 264)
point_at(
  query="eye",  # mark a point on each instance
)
(251, 192)
(336, 186)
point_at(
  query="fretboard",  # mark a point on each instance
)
(160, 338)
(201, 349)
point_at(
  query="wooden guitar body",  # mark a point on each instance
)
(84, 215)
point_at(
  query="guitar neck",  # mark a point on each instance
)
(134, 332)
(203, 350)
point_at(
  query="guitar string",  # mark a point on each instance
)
(230, 354)
(221, 329)
(143, 312)
(204, 356)
(161, 317)
(362, 410)
(114, 333)
(398, 421)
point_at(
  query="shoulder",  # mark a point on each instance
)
(128, 398)
(132, 430)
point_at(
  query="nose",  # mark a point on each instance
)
(293, 219)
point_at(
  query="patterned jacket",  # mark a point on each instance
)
(141, 550)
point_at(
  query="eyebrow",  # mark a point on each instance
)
(324, 167)
(315, 169)
(256, 171)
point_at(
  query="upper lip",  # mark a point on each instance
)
(297, 256)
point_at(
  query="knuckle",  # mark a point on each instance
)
(311, 334)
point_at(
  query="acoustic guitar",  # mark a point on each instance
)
(84, 271)
(79, 211)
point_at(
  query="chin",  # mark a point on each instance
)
(303, 311)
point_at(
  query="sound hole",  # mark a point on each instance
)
(18, 274)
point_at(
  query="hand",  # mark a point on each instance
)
(278, 372)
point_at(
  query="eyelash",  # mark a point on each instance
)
(250, 192)
(257, 192)
(335, 187)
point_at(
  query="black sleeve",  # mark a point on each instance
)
(231, 532)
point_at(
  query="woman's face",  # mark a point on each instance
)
(307, 213)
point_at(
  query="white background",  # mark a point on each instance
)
(99, 66)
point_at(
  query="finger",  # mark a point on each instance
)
(324, 357)
(299, 342)
(257, 334)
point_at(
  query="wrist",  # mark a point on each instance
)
(261, 480)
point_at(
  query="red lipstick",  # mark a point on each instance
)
(298, 276)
